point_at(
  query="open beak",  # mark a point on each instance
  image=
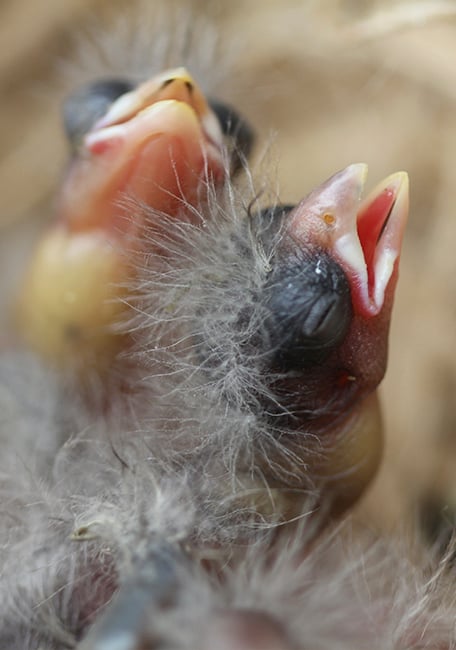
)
(364, 236)
(151, 154)
(156, 144)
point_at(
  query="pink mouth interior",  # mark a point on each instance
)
(371, 222)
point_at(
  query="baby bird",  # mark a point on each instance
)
(256, 338)
(152, 144)
(272, 327)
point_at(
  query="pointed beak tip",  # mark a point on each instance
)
(178, 74)
(397, 186)
(398, 183)
(176, 83)
(402, 188)
(358, 171)
(354, 178)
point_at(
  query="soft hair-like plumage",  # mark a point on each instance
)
(101, 521)
(141, 43)
(169, 479)
(167, 484)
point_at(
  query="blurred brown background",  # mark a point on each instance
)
(327, 83)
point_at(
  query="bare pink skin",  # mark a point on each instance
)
(244, 630)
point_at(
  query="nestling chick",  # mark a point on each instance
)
(257, 338)
(272, 327)
(155, 144)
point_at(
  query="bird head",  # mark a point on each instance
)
(349, 249)
(138, 154)
(329, 299)
(155, 143)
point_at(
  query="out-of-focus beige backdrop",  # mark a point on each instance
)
(327, 83)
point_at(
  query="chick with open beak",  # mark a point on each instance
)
(267, 392)
(270, 329)
(157, 146)
(330, 296)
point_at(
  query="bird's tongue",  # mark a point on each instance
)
(155, 147)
